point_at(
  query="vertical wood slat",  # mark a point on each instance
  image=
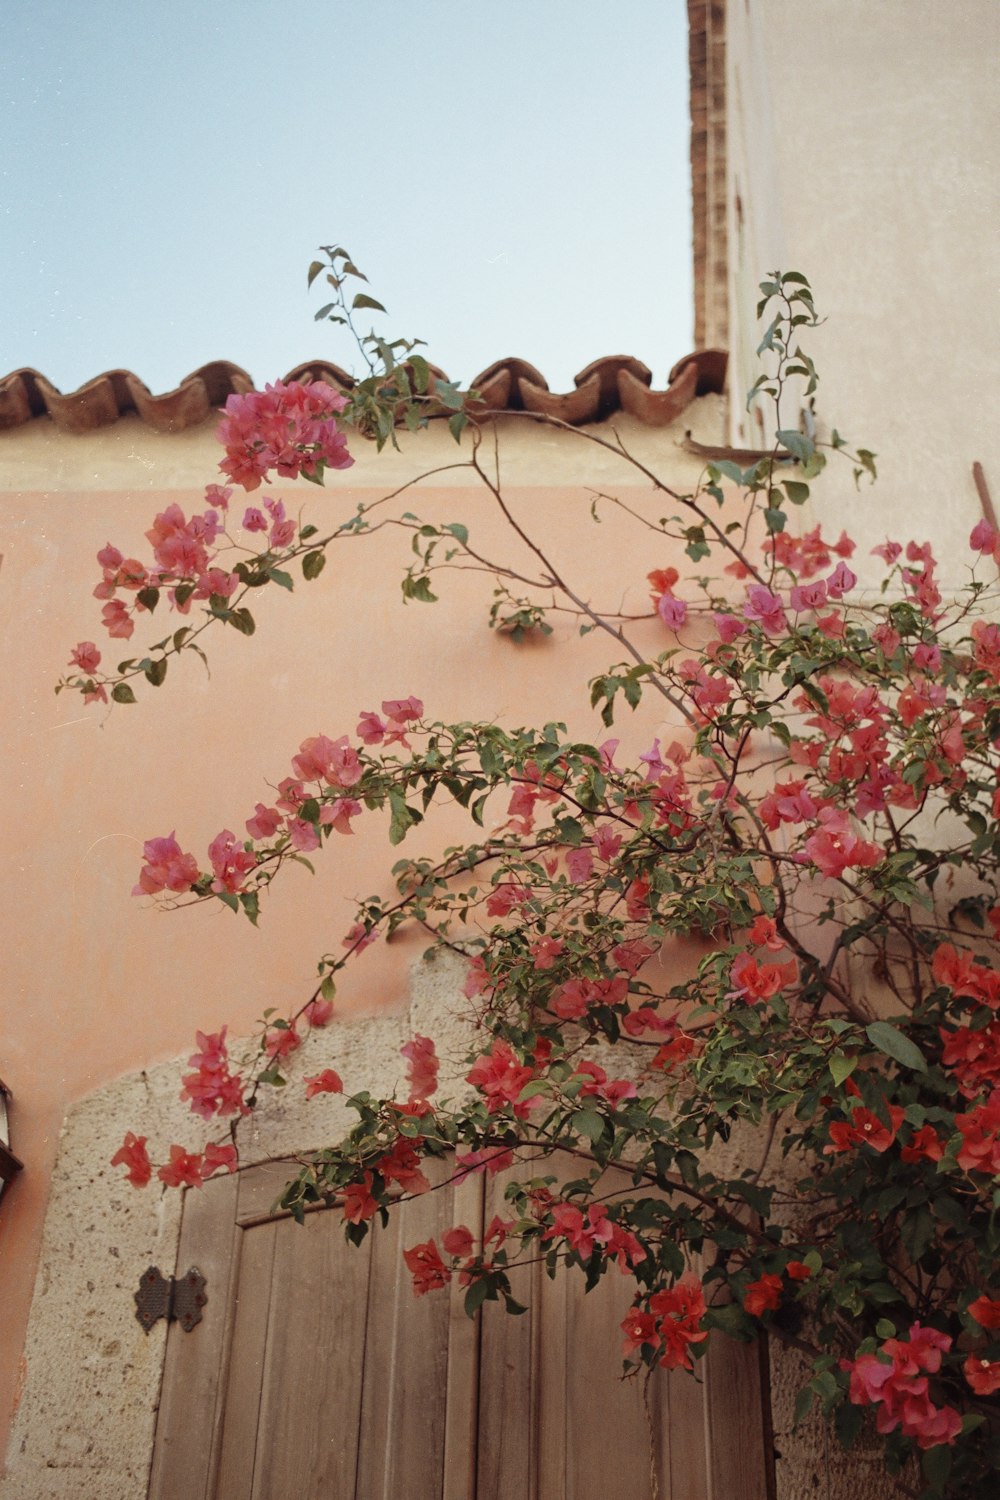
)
(307, 1442)
(416, 1353)
(740, 1455)
(462, 1401)
(193, 1388)
(251, 1315)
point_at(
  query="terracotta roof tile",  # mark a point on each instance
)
(615, 383)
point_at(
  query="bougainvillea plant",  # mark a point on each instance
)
(823, 814)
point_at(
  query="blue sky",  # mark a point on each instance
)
(513, 178)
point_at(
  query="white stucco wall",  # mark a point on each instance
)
(864, 142)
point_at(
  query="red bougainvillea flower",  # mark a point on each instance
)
(763, 1295)
(500, 1077)
(864, 1129)
(985, 1310)
(679, 1310)
(639, 1328)
(925, 1146)
(358, 1201)
(327, 1082)
(183, 1169)
(983, 1375)
(426, 1267)
(132, 1155)
(218, 1158)
(458, 1241)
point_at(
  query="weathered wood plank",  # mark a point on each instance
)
(311, 1387)
(740, 1456)
(403, 1409)
(251, 1312)
(192, 1392)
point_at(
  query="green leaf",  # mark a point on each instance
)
(156, 671)
(148, 598)
(797, 492)
(403, 817)
(122, 693)
(796, 443)
(418, 588)
(936, 1466)
(282, 579)
(589, 1123)
(315, 268)
(458, 530)
(841, 1067)
(895, 1045)
(313, 564)
(476, 1296)
(243, 621)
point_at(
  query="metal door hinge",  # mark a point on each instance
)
(180, 1297)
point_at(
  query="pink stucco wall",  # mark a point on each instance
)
(96, 983)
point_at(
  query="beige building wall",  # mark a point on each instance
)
(864, 151)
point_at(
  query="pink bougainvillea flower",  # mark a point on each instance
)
(85, 656)
(281, 1041)
(426, 1267)
(983, 537)
(359, 938)
(673, 612)
(505, 897)
(319, 1012)
(403, 709)
(132, 1155)
(422, 1066)
(265, 822)
(303, 836)
(895, 1380)
(117, 620)
(231, 861)
(580, 865)
(764, 608)
(219, 1158)
(835, 847)
(213, 1089)
(763, 1295)
(327, 1082)
(167, 868)
(545, 952)
(338, 814)
(840, 581)
(371, 729)
(183, 1169)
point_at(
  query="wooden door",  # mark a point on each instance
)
(316, 1374)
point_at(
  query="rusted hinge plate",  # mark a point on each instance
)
(180, 1297)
